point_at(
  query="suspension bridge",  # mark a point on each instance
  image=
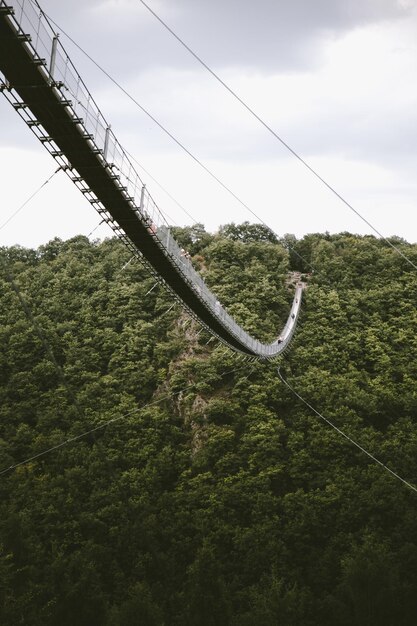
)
(39, 80)
(44, 87)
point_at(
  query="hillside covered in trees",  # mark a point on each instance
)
(213, 496)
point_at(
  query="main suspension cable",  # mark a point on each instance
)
(275, 134)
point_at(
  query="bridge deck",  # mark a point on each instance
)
(30, 86)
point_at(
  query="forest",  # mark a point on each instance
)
(149, 476)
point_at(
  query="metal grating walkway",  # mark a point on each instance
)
(42, 84)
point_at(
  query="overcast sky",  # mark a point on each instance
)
(336, 79)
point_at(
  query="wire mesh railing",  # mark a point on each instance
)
(43, 41)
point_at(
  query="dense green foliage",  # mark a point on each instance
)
(225, 501)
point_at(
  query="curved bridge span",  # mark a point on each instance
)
(43, 86)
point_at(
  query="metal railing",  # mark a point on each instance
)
(46, 48)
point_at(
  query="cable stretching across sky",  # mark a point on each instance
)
(274, 133)
(28, 199)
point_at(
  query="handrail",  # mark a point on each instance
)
(139, 222)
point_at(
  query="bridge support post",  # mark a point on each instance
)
(142, 198)
(53, 56)
(106, 142)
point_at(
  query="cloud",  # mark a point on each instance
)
(336, 79)
(275, 35)
(343, 109)
(265, 36)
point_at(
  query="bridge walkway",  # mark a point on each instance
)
(46, 90)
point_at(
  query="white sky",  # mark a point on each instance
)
(336, 79)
